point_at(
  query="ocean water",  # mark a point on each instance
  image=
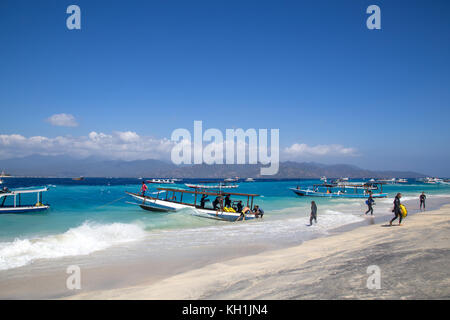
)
(95, 216)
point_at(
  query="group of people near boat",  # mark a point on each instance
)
(237, 207)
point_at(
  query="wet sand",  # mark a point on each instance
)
(413, 260)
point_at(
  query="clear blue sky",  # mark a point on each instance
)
(310, 68)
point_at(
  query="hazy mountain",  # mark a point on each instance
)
(63, 166)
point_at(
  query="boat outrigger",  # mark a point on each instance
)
(327, 190)
(16, 205)
(172, 200)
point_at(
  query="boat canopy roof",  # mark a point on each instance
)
(210, 193)
(22, 191)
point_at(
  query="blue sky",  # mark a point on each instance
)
(310, 68)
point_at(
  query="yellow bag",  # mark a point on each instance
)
(403, 211)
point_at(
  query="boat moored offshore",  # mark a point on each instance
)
(162, 181)
(328, 190)
(16, 204)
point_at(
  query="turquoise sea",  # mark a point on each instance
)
(95, 215)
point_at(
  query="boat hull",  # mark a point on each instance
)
(157, 205)
(26, 209)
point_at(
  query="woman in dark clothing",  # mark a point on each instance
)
(313, 213)
(422, 199)
(397, 210)
(227, 201)
(239, 206)
(203, 200)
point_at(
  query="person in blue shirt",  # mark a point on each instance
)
(259, 213)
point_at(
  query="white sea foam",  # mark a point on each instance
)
(82, 240)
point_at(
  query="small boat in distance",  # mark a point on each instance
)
(162, 181)
(1, 181)
(402, 180)
(429, 180)
(235, 179)
(78, 179)
(323, 178)
(3, 174)
(328, 190)
(249, 180)
(172, 200)
(16, 205)
(386, 181)
(212, 186)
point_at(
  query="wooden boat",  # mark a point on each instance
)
(78, 179)
(172, 200)
(342, 191)
(17, 206)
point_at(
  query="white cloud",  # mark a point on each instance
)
(302, 149)
(118, 145)
(63, 120)
(128, 145)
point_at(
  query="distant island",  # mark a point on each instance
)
(63, 166)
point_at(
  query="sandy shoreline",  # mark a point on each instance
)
(413, 260)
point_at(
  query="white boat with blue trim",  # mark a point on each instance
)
(11, 201)
(357, 191)
(172, 200)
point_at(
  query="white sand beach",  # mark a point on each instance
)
(413, 260)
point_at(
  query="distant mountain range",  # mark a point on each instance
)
(63, 166)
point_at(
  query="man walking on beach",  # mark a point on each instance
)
(313, 213)
(370, 202)
(397, 210)
(422, 199)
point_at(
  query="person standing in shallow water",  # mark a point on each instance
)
(397, 210)
(313, 213)
(370, 203)
(422, 199)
